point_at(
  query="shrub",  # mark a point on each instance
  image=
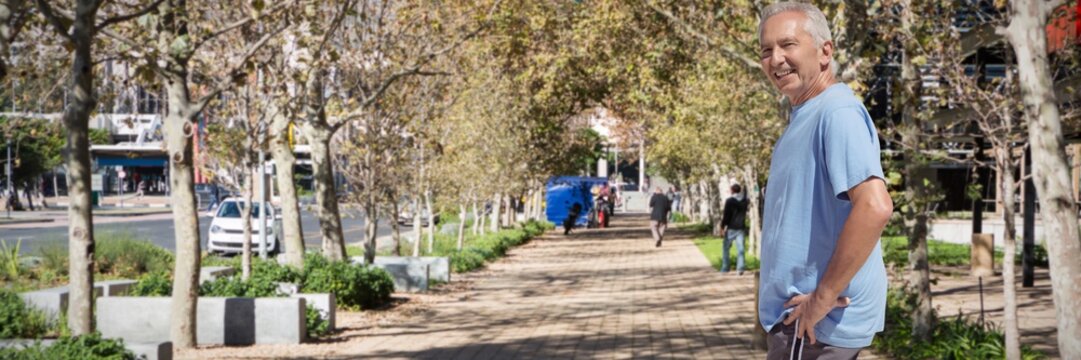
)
(90, 347)
(354, 286)
(116, 253)
(18, 320)
(679, 218)
(10, 260)
(123, 255)
(153, 284)
(317, 325)
(953, 338)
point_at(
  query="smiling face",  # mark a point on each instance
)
(797, 66)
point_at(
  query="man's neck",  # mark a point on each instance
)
(823, 82)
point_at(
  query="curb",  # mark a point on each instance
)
(24, 221)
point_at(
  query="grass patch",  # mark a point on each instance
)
(895, 250)
(712, 247)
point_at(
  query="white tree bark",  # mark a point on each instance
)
(179, 124)
(497, 200)
(284, 159)
(245, 217)
(461, 225)
(476, 219)
(1028, 36)
(1008, 188)
(417, 233)
(431, 221)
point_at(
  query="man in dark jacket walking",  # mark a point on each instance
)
(658, 214)
(734, 227)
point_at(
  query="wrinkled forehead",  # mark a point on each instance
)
(783, 25)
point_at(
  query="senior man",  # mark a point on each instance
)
(823, 282)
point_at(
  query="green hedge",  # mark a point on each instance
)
(86, 347)
(952, 338)
(18, 320)
(354, 286)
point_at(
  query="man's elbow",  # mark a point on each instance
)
(880, 210)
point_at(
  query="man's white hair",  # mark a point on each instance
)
(816, 23)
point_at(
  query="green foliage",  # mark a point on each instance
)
(10, 260)
(265, 276)
(952, 338)
(100, 137)
(153, 284)
(895, 250)
(712, 247)
(680, 218)
(354, 286)
(121, 254)
(317, 325)
(36, 145)
(18, 320)
(87, 347)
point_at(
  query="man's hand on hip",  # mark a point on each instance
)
(810, 309)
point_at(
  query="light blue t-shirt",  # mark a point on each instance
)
(829, 147)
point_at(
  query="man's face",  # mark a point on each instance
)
(789, 55)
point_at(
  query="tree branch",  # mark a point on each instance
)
(238, 24)
(53, 19)
(227, 80)
(122, 18)
(732, 54)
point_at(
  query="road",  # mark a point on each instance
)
(159, 230)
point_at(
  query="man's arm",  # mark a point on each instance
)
(871, 210)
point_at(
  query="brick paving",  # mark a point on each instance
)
(595, 294)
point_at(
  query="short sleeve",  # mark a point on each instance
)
(851, 149)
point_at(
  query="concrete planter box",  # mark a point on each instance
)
(210, 273)
(410, 275)
(147, 351)
(228, 321)
(438, 267)
(326, 304)
(54, 301)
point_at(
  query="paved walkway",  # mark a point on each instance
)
(595, 294)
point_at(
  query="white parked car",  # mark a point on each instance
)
(227, 229)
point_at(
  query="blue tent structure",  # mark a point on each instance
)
(565, 191)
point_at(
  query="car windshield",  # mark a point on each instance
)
(231, 209)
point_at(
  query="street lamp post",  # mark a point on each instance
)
(7, 167)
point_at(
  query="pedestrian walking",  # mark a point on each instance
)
(572, 217)
(823, 277)
(734, 227)
(658, 214)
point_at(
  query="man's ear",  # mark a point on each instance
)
(827, 55)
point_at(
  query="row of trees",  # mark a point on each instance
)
(406, 100)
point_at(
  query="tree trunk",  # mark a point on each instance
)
(431, 221)
(245, 218)
(396, 227)
(371, 227)
(179, 124)
(1004, 160)
(1027, 34)
(750, 182)
(497, 200)
(417, 233)
(917, 193)
(476, 219)
(81, 102)
(326, 196)
(284, 158)
(461, 225)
